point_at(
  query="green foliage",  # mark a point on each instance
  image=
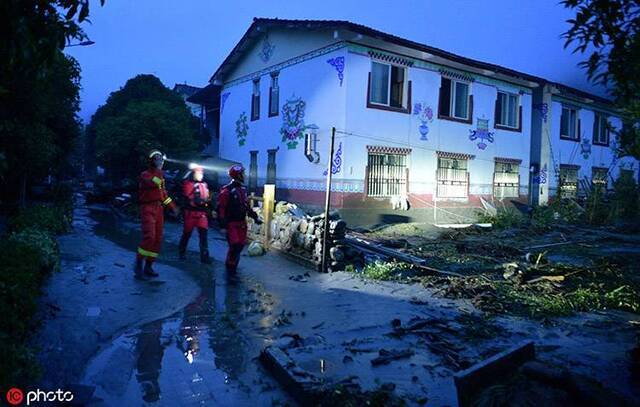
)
(608, 29)
(558, 211)
(626, 198)
(143, 115)
(51, 219)
(44, 244)
(505, 218)
(380, 270)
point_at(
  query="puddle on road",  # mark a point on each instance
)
(198, 355)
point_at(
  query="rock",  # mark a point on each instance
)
(347, 359)
(396, 323)
(255, 249)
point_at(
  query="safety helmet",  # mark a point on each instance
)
(236, 172)
(153, 153)
(196, 167)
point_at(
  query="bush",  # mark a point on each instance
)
(381, 270)
(626, 198)
(53, 219)
(558, 211)
(505, 218)
(27, 256)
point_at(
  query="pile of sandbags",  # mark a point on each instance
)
(294, 231)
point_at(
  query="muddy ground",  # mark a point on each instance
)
(195, 337)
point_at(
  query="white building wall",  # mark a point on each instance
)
(367, 126)
(582, 153)
(313, 81)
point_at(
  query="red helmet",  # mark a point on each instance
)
(236, 172)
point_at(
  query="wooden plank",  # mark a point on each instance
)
(472, 381)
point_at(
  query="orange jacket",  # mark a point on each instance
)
(151, 188)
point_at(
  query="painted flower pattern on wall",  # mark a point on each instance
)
(585, 148)
(425, 115)
(481, 133)
(541, 178)
(293, 126)
(242, 129)
(336, 165)
(338, 64)
(267, 50)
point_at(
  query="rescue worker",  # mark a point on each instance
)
(196, 213)
(153, 199)
(233, 209)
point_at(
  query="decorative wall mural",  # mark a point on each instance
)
(541, 178)
(267, 50)
(223, 99)
(425, 115)
(242, 129)
(481, 133)
(544, 110)
(293, 126)
(585, 148)
(336, 166)
(338, 63)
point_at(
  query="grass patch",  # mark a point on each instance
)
(505, 218)
(381, 270)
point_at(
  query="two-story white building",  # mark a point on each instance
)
(413, 122)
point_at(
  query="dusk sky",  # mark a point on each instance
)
(182, 41)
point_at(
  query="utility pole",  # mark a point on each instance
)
(327, 203)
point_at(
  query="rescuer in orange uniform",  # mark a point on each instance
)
(196, 213)
(153, 199)
(233, 209)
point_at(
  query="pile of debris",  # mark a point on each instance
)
(299, 234)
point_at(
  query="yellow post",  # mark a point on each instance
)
(268, 205)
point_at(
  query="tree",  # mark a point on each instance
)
(39, 88)
(608, 30)
(141, 116)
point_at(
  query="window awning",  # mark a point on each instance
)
(508, 160)
(388, 150)
(457, 156)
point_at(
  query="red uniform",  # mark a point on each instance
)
(196, 215)
(233, 209)
(153, 198)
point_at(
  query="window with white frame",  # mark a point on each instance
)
(568, 181)
(569, 124)
(255, 100)
(600, 129)
(506, 179)
(452, 178)
(386, 174)
(274, 95)
(508, 110)
(599, 177)
(455, 101)
(388, 85)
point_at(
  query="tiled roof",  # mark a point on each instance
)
(254, 31)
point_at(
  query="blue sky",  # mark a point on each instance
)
(182, 41)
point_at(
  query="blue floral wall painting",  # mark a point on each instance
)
(482, 134)
(336, 165)
(338, 64)
(585, 148)
(242, 129)
(425, 115)
(267, 50)
(293, 126)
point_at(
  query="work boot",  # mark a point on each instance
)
(182, 247)
(204, 247)
(204, 257)
(137, 269)
(148, 270)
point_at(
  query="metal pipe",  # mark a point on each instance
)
(327, 202)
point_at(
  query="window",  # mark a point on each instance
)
(568, 181)
(455, 102)
(600, 130)
(271, 166)
(452, 178)
(274, 92)
(508, 111)
(253, 171)
(255, 100)
(506, 179)
(569, 124)
(599, 177)
(386, 174)
(388, 87)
